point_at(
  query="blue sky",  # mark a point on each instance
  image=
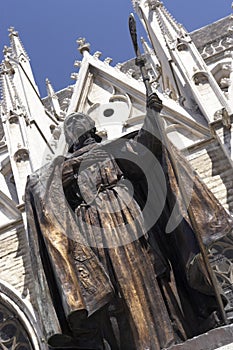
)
(49, 29)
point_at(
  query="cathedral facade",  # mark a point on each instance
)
(192, 74)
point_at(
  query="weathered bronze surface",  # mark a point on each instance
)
(115, 281)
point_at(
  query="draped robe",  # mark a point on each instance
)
(95, 247)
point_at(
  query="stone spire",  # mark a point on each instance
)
(19, 54)
(14, 125)
(26, 124)
(83, 46)
(151, 3)
(9, 93)
(155, 71)
(16, 43)
(17, 63)
(183, 69)
(170, 28)
(54, 102)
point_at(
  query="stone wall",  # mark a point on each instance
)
(14, 260)
(213, 167)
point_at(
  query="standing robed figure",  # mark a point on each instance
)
(116, 279)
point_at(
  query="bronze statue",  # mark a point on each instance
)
(117, 280)
(108, 272)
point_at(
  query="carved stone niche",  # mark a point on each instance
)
(13, 118)
(200, 78)
(222, 73)
(21, 155)
(181, 46)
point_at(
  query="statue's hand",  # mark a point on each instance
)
(153, 102)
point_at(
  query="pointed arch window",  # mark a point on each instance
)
(12, 333)
(18, 330)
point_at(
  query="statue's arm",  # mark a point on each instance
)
(140, 152)
(150, 135)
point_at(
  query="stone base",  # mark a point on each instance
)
(226, 347)
(217, 339)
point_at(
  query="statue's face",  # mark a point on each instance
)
(77, 125)
(71, 127)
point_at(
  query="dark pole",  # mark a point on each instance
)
(157, 103)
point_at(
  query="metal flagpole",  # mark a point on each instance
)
(157, 106)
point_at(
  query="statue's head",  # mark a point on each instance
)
(77, 126)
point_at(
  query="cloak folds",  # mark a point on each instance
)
(51, 226)
(86, 268)
(212, 221)
(87, 278)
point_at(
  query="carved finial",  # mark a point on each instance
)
(74, 76)
(108, 60)
(147, 49)
(170, 28)
(66, 102)
(97, 54)
(223, 115)
(154, 3)
(53, 99)
(7, 50)
(7, 66)
(130, 72)
(168, 92)
(134, 3)
(77, 63)
(17, 46)
(48, 86)
(12, 31)
(118, 66)
(50, 89)
(83, 46)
